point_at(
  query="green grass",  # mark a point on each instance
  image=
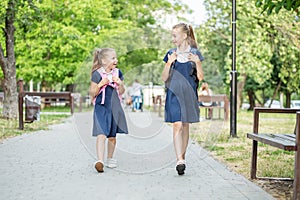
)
(214, 135)
(48, 116)
(56, 109)
(10, 128)
(65, 109)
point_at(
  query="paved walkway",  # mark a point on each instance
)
(58, 164)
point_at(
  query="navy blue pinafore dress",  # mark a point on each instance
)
(109, 118)
(181, 95)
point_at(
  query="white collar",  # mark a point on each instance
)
(182, 56)
(102, 70)
(187, 50)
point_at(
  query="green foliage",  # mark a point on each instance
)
(270, 6)
(267, 47)
(213, 65)
(140, 53)
(61, 40)
(214, 42)
(55, 41)
(139, 12)
(56, 38)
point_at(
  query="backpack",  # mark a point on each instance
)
(193, 72)
(103, 74)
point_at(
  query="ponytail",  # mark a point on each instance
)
(99, 54)
(97, 59)
(192, 39)
(189, 32)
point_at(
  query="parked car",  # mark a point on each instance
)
(275, 104)
(295, 104)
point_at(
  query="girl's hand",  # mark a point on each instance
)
(172, 57)
(103, 82)
(193, 57)
(117, 80)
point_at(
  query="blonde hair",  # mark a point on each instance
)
(100, 54)
(188, 30)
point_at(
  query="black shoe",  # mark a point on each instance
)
(180, 169)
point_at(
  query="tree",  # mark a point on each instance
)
(49, 40)
(250, 62)
(140, 53)
(7, 63)
(257, 37)
(139, 47)
(69, 31)
(269, 6)
(214, 42)
(8, 17)
(52, 51)
(289, 73)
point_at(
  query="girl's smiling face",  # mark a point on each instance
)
(178, 37)
(110, 61)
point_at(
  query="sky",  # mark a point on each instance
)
(199, 15)
(197, 18)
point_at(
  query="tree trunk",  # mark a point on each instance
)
(257, 99)
(251, 97)
(70, 87)
(240, 88)
(8, 66)
(288, 99)
(275, 93)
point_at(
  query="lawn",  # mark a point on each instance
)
(48, 116)
(214, 135)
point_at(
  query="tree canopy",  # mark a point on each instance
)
(270, 6)
(53, 41)
(267, 49)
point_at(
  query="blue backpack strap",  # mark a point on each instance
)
(173, 50)
(194, 69)
(193, 50)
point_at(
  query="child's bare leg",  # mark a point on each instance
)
(100, 146)
(111, 145)
(185, 138)
(177, 140)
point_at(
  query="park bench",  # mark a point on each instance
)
(49, 95)
(218, 101)
(288, 142)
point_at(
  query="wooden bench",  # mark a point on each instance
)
(288, 142)
(51, 95)
(219, 101)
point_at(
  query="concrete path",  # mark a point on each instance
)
(58, 164)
